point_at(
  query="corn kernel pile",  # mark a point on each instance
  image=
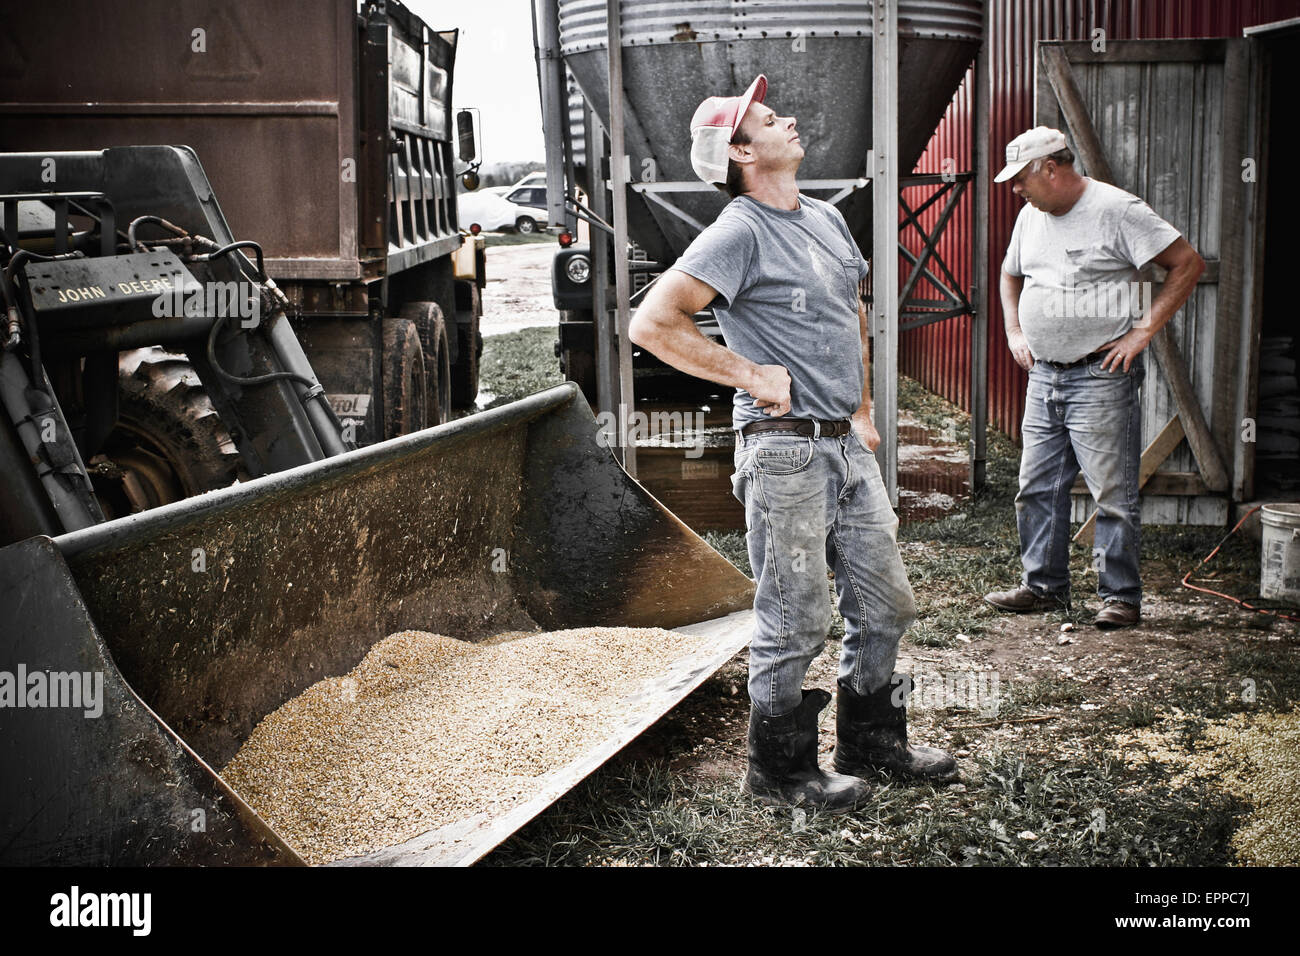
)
(429, 730)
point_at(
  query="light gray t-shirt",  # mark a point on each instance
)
(787, 284)
(1082, 286)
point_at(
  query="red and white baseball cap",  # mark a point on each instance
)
(1030, 145)
(713, 126)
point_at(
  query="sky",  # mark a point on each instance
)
(495, 72)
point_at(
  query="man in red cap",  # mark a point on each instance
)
(781, 272)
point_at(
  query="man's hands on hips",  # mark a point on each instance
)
(1123, 350)
(771, 389)
(1020, 349)
(866, 429)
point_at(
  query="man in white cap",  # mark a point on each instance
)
(1078, 319)
(781, 271)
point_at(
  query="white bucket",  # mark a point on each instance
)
(1279, 572)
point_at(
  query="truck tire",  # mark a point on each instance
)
(464, 374)
(404, 372)
(579, 365)
(427, 317)
(169, 442)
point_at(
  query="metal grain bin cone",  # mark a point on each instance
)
(207, 615)
(817, 58)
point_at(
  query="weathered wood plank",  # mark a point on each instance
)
(1208, 459)
(1072, 105)
(1145, 51)
(1232, 254)
(1244, 453)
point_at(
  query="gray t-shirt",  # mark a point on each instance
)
(1082, 286)
(787, 284)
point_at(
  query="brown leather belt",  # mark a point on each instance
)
(805, 427)
(1086, 360)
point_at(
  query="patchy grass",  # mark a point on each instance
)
(1021, 810)
(517, 364)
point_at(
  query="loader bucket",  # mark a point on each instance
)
(206, 615)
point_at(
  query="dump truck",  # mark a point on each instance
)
(140, 650)
(327, 130)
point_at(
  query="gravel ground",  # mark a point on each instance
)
(518, 291)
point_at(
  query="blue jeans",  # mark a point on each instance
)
(810, 504)
(1081, 419)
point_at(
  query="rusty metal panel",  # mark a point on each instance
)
(1014, 26)
(271, 127)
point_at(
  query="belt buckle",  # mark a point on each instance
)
(817, 429)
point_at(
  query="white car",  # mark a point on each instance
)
(522, 209)
(537, 178)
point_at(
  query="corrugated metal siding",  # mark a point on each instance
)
(938, 355)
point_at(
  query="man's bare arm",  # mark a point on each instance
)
(1184, 266)
(862, 421)
(1010, 287)
(665, 325)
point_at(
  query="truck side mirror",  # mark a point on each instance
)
(467, 145)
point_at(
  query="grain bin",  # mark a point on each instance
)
(817, 58)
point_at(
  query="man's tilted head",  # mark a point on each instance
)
(714, 126)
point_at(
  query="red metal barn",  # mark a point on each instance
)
(938, 355)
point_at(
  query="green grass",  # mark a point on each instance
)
(518, 363)
(516, 239)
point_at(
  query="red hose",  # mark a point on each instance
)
(1229, 597)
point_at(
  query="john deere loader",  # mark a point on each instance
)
(142, 643)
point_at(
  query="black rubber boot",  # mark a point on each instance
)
(871, 735)
(783, 768)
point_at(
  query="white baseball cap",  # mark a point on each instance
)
(1030, 145)
(713, 126)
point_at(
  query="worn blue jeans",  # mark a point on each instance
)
(1081, 419)
(809, 504)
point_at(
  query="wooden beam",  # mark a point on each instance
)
(1166, 352)
(1161, 447)
(1208, 459)
(1235, 235)
(1075, 109)
(1145, 51)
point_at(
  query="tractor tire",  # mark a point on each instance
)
(405, 379)
(169, 442)
(464, 374)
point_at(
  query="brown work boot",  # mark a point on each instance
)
(871, 735)
(1023, 599)
(1118, 614)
